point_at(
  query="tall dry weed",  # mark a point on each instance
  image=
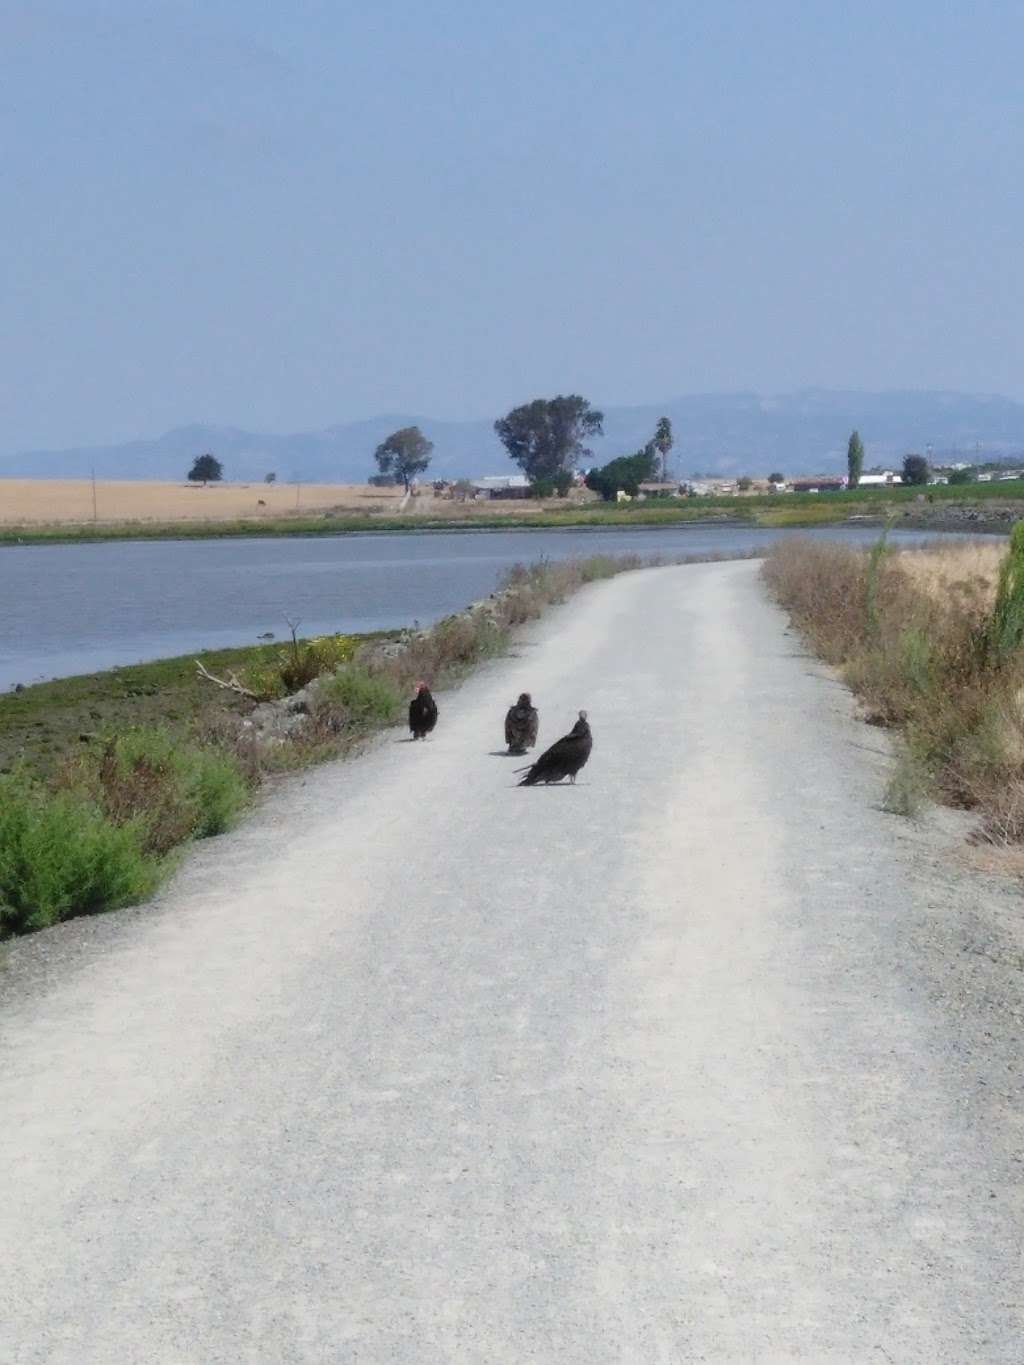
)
(932, 644)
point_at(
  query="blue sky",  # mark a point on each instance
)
(283, 215)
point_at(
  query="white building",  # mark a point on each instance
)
(501, 486)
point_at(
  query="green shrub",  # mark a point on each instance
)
(172, 790)
(1007, 627)
(358, 697)
(60, 856)
(297, 664)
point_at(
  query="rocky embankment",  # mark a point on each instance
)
(963, 516)
(273, 723)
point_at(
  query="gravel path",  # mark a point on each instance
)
(706, 1059)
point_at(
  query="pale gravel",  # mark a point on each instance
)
(707, 1059)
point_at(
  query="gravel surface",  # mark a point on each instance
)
(705, 1059)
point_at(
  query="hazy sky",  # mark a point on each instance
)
(281, 215)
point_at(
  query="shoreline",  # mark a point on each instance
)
(987, 513)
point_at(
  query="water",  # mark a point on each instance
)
(68, 609)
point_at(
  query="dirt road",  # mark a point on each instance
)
(687, 1063)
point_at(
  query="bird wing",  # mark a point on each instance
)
(563, 751)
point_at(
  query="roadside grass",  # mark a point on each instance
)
(932, 646)
(108, 776)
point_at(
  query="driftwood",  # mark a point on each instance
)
(230, 683)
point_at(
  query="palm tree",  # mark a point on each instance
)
(663, 444)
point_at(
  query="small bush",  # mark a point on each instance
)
(908, 787)
(60, 856)
(170, 790)
(297, 664)
(358, 697)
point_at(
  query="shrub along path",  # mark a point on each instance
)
(688, 1062)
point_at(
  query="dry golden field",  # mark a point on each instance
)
(125, 502)
(965, 570)
(39, 502)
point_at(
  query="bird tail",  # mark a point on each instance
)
(532, 777)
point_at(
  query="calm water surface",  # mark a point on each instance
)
(68, 609)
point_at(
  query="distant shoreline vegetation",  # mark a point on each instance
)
(767, 510)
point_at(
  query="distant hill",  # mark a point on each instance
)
(715, 433)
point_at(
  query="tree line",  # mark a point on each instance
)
(547, 439)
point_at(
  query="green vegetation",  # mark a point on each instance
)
(546, 438)
(60, 856)
(625, 474)
(662, 443)
(44, 724)
(963, 476)
(1007, 627)
(915, 471)
(98, 835)
(206, 469)
(166, 787)
(358, 697)
(932, 642)
(854, 459)
(403, 455)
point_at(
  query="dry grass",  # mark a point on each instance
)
(966, 572)
(50, 502)
(69, 502)
(911, 633)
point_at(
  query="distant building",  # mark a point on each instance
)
(886, 476)
(502, 486)
(830, 483)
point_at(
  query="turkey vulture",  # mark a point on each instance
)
(521, 725)
(565, 757)
(422, 712)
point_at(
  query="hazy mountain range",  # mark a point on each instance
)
(732, 433)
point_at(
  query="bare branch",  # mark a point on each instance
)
(230, 683)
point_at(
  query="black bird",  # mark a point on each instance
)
(422, 712)
(565, 757)
(521, 724)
